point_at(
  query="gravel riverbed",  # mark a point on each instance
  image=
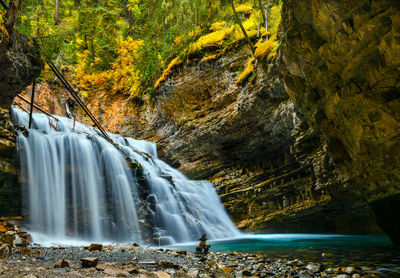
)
(130, 261)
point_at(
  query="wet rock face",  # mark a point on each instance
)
(340, 62)
(211, 125)
(10, 192)
(19, 65)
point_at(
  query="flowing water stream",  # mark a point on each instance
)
(79, 186)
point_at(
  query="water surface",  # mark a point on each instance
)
(357, 250)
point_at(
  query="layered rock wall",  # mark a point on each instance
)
(10, 191)
(340, 65)
(310, 145)
(19, 65)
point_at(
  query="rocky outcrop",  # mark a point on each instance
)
(10, 192)
(19, 61)
(239, 137)
(249, 140)
(19, 65)
(340, 67)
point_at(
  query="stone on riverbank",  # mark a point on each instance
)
(89, 262)
(5, 250)
(117, 272)
(63, 263)
(95, 247)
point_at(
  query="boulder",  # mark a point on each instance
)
(95, 247)
(102, 267)
(117, 272)
(18, 241)
(168, 264)
(89, 262)
(5, 250)
(63, 263)
(313, 267)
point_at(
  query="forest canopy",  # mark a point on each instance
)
(126, 46)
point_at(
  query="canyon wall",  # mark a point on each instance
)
(19, 65)
(311, 144)
(340, 65)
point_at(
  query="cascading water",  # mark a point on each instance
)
(80, 186)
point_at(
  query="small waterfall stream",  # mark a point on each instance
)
(77, 185)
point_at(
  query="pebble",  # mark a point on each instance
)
(5, 251)
(313, 267)
(350, 270)
(63, 263)
(147, 263)
(167, 264)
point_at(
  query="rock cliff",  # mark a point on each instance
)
(242, 138)
(311, 144)
(340, 64)
(19, 65)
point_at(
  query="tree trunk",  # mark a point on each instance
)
(4, 5)
(262, 11)
(11, 16)
(266, 21)
(56, 12)
(92, 48)
(242, 28)
(164, 32)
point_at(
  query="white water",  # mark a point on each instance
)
(78, 187)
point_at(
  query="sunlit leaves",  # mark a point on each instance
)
(120, 45)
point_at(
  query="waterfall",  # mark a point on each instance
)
(78, 185)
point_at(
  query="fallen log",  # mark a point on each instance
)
(37, 107)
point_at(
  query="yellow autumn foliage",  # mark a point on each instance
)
(240, 36)
(3, 31)
(210, 57)
(192, 34)
(247, 72)
(121, 78)
(220, 37)
(267, 50)
(214, 39)
(124, 76)
(253, 21)
(263, 49)
(216, 26)
(273, 53)
(173, 64)
(274, 20)
(244, 8)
